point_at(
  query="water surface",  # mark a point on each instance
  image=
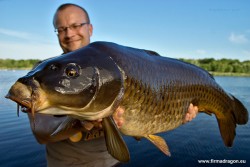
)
(197, 140)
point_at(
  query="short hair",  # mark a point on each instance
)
(64, 6)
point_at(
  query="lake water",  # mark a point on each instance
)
(197, 140)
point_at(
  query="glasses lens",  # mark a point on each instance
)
(73, 27)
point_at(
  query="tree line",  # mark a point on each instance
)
(209, 64)
(221, 65)
(17, 64)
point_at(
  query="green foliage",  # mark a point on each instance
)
(17, 64)
(231, 66)
(221, 65)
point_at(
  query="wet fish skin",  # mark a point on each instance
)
(154, 90)
(158, 91)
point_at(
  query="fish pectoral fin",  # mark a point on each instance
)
(76, 137)
(64, 126)
(160, 143)
(114, 141)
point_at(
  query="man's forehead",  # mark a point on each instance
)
(70, 15)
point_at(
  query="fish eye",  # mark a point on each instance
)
(72, 70)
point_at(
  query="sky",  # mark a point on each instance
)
(173, 28)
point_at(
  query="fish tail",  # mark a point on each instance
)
(240, 112)
(228, 122)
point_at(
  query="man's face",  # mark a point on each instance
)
(73, 38)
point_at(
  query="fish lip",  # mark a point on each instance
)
(22, 102)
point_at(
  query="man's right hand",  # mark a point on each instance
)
(97, 125)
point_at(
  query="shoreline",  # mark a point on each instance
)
(14, 69)
(213, 73)
(229, 74)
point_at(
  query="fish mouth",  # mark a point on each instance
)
(25, 96)
(24, 104)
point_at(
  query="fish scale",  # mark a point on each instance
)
(180, 92)
(163, 119)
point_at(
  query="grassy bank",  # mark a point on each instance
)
(17, 64)
(23, 68)
(230, 74)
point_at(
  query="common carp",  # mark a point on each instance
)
(90, 83)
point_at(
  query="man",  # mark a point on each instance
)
(77, 147)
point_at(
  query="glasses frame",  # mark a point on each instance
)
(74, 27)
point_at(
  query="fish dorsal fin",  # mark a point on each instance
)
(114, 141)
(152, 53)
(160, 143)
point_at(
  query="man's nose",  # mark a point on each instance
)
(69, 32)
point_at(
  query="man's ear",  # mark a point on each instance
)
(90, 29)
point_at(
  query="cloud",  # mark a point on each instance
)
(27, 50)
(238, 38)
(22, 45)
(27, 37)
(16, 34)
(200, 51)
(246, 52)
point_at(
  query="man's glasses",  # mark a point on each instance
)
(73, 27)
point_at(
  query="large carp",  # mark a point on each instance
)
(90, 83)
